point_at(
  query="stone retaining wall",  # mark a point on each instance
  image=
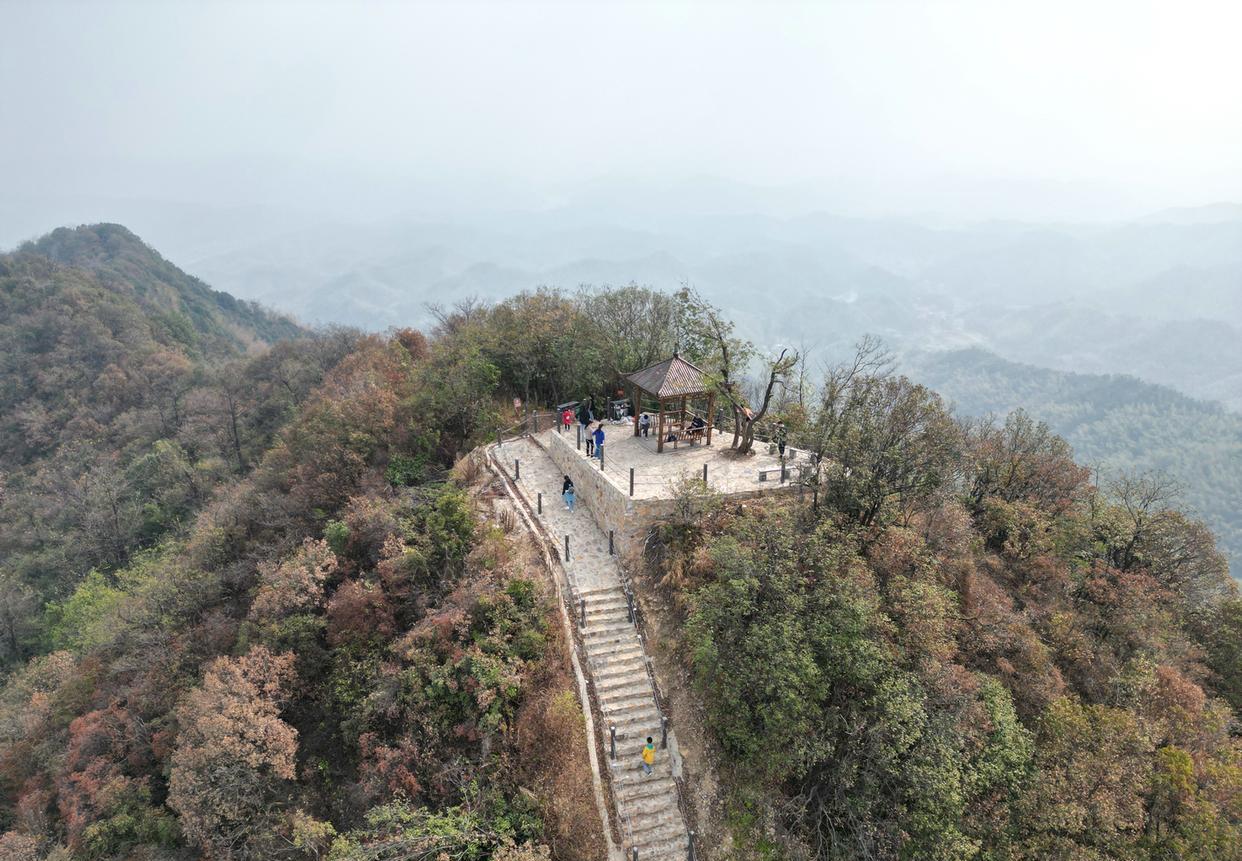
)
(609, 503)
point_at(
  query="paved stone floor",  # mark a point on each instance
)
(657, 474)
(589, 566)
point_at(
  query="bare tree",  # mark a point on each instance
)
(1145, 499)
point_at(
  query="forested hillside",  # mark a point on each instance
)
(1114, 422)
(268, 606)
(129, 393)
(958, 647)
(248, 614)
(125, 265)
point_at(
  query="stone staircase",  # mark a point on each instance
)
(646, 807)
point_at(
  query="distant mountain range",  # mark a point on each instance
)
(1116, 422)
(1160, 297)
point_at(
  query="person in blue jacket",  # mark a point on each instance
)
(599, 440)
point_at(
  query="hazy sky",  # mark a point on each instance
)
(990, 108)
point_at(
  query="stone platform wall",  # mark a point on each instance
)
(609, 503)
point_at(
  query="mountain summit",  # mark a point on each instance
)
(126, 265)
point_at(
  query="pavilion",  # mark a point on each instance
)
(674, 385)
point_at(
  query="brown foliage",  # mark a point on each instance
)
(295, 585)
(551, 750)
(358, 613)
(234, 756)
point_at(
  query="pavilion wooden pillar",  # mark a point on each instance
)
(711, 415)
(660, 441)
(638, 407)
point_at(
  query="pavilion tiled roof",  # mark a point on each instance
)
(671, 378)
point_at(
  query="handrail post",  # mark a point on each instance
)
(629, 605)
(611, 551)
(663, 732)
(566, 546)
(613, 733)
(582, 609)
(690, 847)
(579, 426)
(539, 502)
(517, 470)
(631, 481)
(705, 473)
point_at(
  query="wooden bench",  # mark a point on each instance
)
(690, 435)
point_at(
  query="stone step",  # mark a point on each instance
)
(642, 788)
(592, 592)
(605, 644)
(603, 627)
(609, 667)
(606, 600)
(620, 705)
(625, 686)
(611, 671)
(606, 614)
(668, 849)
(611, 642)
(631, 650)
(647, 835)
(632, 711)
(635, 727)
(652, 805)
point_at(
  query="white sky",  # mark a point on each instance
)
(996, 107)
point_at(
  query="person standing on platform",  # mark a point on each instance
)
(599, 440)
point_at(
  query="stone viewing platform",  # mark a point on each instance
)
(657, 475)
(606, 493)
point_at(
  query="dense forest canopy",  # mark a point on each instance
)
(258, 602)
(1115, 423)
